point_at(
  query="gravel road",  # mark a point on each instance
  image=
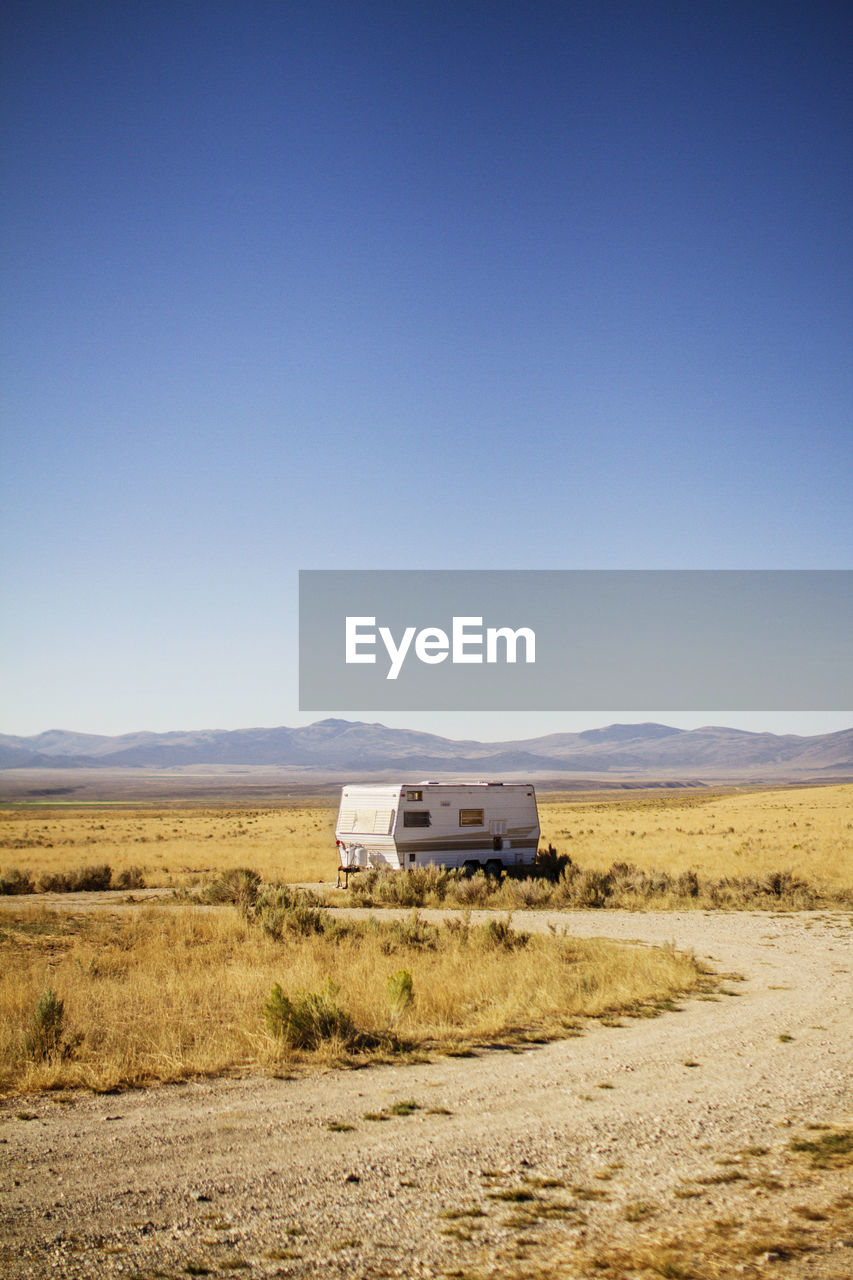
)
(624, 1122)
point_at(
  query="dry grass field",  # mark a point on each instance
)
(805, 830)
(164, 992)
(168, 991)
(176, 847)
(105, 993)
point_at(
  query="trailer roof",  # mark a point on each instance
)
(429, 782)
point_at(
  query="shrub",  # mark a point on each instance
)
(556, 882)
(427, 884)
(15, 881)
(417, 887)
(782, 883)
(400, 991)
(83, 880)
(688, 884)
(93, 879)
(591, 888)
(500, 935)
(44, 1037)
(549, 864)
(238, 885)
(280, 910)
(59, 882)
(131, 878)
(362, 887)
(413, 933)
(457, 928)
(308, 1020)
(527, 893)
(473, 891)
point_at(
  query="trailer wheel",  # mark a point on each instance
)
(470, 867)
(494, 867)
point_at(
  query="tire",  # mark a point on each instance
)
(494, 867)
(470, 867)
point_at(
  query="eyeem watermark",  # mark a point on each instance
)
(433, 644)
(575, 640)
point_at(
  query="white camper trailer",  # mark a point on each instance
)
(493, 825)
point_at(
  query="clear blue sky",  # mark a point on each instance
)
(407, 284)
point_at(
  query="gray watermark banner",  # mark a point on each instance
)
(576, 640)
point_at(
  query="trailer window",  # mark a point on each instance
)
(417, 796)
(470, 817)
(416, 818)
(366, 821)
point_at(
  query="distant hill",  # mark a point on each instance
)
(629, 750)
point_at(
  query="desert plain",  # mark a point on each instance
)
(637, 1066)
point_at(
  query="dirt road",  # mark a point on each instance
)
(668, 1124)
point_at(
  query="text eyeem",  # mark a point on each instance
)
(466, 643)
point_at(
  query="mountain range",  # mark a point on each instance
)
(337, 746)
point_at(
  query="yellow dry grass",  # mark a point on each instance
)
(173, 846)
(806, 830)
(161, 993)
